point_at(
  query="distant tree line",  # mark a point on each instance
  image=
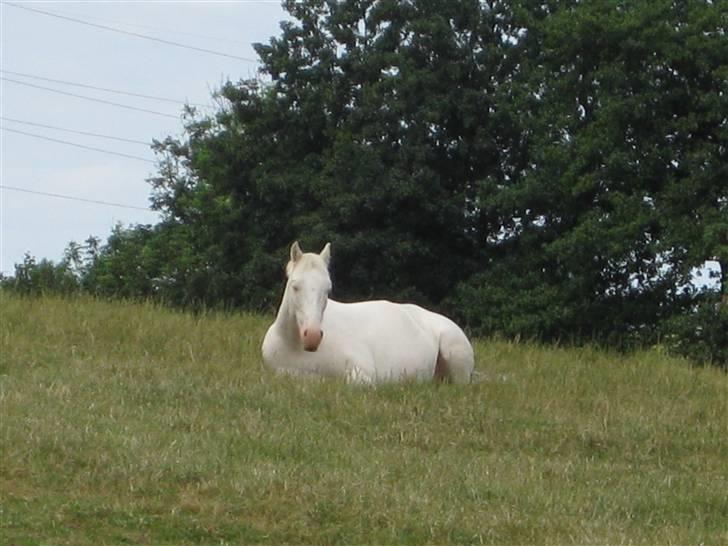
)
(552, 170)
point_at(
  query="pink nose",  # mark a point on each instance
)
(312, 338)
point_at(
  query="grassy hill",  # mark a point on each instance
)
(132, 424)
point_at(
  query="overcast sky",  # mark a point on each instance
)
(56, 48)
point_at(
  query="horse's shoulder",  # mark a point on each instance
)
(269, 343)
(272, 345)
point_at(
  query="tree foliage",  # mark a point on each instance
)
(623, 191)
(546, 169)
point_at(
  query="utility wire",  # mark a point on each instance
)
(136, 34)
(132, 141)
(50, 89)
(75, 84)
(78, 145)
(158, 29)
(72, 198)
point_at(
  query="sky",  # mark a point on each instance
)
(36, 48)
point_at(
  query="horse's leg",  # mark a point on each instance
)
(441, 374)
(358, 376)
(360, 370)
(455, 360)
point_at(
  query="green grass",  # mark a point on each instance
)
(132, 424)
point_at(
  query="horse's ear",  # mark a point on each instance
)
(326, 254)
(296, 252)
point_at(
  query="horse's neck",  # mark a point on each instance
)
(285, 321)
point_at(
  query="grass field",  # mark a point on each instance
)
(132, 424)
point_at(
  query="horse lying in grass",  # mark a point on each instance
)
(365, 342)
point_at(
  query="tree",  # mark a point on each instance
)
(624, 192)
(33, 278)
(377, 125)
(547, 169)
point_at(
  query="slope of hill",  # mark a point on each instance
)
(131, 423)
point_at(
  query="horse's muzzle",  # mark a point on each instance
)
(312, 339)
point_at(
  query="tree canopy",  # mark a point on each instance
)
(548, 169)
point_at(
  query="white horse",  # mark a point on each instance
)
(365, 342)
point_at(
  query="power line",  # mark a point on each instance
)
(102, 101)
(108, 90)
(160, 29)
(129, 33)
(73, 198)
(129, 156)
(132, 141)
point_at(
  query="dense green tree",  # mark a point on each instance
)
(626, 185)
(33, 278)
(374, 131)
(562, 163)
(554, 169)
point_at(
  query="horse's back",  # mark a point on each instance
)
(377, 321)
(404, 339)
(396, 342)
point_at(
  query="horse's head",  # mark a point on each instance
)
(307, 292)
